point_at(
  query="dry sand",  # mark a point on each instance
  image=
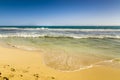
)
(17, 64)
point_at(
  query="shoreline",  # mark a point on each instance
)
(17, 64)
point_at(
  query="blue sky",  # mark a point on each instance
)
(59, 12)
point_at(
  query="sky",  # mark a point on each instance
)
(60, 12)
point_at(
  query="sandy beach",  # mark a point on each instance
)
(59, 39)
(17, 64)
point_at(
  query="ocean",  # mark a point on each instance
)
(67, 48)
(61, 31)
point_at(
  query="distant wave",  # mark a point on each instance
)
(65, 27)
(58, 29)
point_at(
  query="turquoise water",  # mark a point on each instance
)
(65, 27)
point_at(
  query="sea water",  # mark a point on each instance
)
(67, 48)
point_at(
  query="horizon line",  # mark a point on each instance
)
(59, 25)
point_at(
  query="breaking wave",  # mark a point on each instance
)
(59, 33)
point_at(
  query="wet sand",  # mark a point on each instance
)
(17, 64)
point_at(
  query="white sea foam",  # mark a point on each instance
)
(57, 36)
(48, 32)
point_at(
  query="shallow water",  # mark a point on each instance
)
(70, 54)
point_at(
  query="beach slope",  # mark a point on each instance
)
(17, 64)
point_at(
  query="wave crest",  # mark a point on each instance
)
(59, 33)
(59, 36)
